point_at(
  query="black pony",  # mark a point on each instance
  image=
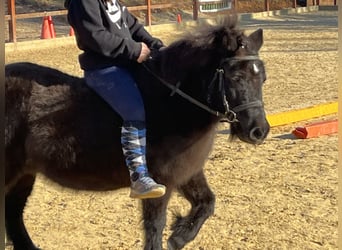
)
(56, 126)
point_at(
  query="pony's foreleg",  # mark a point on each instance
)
(14, 206)
(154, 215)
(202, 200)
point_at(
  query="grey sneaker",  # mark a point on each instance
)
(145, 187)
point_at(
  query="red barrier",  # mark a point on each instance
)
(316, 129)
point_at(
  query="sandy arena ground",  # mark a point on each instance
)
(279, 195)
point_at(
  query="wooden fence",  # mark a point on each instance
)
(11, 17)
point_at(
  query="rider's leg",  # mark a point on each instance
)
(117, 87)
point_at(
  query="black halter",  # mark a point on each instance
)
(230, 113)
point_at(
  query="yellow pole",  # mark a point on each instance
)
(304, 114)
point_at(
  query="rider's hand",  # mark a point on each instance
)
(144, 53)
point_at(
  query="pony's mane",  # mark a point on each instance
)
(205, 44)
(207, 34)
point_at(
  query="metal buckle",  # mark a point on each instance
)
(231, 116)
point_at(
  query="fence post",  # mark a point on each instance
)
(148, 19)
(267, 6)
(235, 5)
(195, 9)
(12, 23)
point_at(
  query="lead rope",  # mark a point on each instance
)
(175, 89)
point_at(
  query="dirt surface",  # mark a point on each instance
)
(279, 195)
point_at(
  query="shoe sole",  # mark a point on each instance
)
(154, 193)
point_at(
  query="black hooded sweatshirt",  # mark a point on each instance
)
(107, 33)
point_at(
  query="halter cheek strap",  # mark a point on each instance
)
(229, 115)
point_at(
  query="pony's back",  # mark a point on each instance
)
(41, 74)
(20, 79)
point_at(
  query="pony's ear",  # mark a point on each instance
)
(256, 39)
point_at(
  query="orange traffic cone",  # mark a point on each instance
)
(45, 34)
(179, 18)
(52, 28)
(71, 32)
(48, 30)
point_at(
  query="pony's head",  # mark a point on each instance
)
(238, 80)
(244, 76)
(222, 64)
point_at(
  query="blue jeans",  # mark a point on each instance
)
(117, 87)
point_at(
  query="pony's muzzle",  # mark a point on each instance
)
(257, 134)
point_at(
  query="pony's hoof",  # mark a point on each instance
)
(172, 245)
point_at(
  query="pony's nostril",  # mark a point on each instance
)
(256, 134)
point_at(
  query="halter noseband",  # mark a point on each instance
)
(230, 114)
